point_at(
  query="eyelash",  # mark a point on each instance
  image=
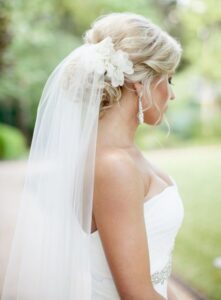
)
(169, 80)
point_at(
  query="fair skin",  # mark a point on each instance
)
(123, 178)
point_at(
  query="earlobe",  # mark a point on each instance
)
(138, 87)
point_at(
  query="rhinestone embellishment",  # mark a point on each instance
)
(164, 274)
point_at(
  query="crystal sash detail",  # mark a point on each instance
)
(164, 273)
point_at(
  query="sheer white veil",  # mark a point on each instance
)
(50, 253)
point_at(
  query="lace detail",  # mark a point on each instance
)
(164, 274)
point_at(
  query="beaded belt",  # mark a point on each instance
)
(156, 277)
(164, 273)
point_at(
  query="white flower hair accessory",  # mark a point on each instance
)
(110, 62)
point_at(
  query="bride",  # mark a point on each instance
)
(97, 220)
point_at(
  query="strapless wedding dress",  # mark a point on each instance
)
(163, 214)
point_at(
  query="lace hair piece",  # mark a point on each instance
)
(112, 63)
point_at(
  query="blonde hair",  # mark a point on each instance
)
(152, 50)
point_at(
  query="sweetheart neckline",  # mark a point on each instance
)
(174, 185)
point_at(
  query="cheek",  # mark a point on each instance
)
(162, 93)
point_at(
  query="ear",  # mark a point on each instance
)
(138, 87)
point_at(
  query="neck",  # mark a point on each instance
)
(117, 127)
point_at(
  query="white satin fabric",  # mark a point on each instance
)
(163, 215)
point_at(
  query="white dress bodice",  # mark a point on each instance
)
(163, 214)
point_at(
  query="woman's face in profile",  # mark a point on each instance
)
(161, 95)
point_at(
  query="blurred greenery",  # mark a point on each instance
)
(4, 33)
(198, 240)
(36, 35)
(12, 143)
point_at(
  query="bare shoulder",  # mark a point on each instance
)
(117, 167)
(118, 211)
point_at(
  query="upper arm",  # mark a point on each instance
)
(118, 211)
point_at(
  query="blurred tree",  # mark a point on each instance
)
(202, 19)
(38, 28)
(76, 16)
(35, 35)
(5, 36)
(46, 31)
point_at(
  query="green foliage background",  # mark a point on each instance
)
(36, 35)
(43, 32)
